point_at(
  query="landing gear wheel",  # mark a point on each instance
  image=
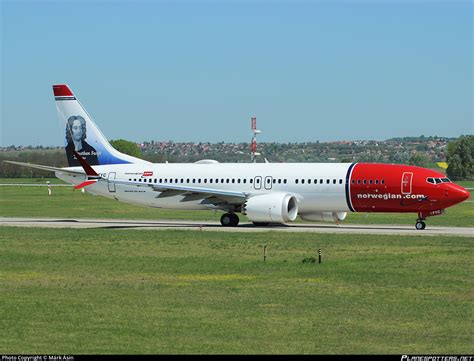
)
(420, 225)
(229, 220)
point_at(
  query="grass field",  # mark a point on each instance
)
(66, 291)
(66, 203)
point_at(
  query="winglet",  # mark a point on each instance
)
(87, 168)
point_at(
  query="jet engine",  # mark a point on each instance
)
(324, 216)
(272, 207)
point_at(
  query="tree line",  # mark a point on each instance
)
(460, 159)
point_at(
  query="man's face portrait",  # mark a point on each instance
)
(76, 129)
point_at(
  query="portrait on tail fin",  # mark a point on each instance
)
(75, 138)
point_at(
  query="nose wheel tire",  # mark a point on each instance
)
(229, 220)
(420, 225)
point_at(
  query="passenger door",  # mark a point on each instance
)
(407, 178)
(111, 184)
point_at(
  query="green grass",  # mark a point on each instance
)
(67, 203)
(70, 291)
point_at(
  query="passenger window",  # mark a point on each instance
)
(309, 181)
(302, 181)
(210, 180)
(233, 180)
(296, 181)
(251, 180)
(353, 181)
(376, 181)
(245, 180)
(194, 180)
(327, 181)
(358, 181)
(383, 181)
(365, 181)
(227, 180)
(333, 181)
(238, 180)
(370, 181)
(340, 181)
(205, 180)
(321, 181)
(284, 181)
(279, 181)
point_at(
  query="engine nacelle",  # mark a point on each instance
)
(272, 207)
(324, 216)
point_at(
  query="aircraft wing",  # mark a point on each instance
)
(45, 167)
(213, 196)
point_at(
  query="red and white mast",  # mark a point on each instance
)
(253, 145)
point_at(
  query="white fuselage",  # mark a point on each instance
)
(301, 179)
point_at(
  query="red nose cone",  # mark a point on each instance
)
(459, 194)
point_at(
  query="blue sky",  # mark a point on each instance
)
(197, 71)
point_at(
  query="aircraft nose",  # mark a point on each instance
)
(458, 194)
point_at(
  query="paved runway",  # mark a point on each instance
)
(245, 227)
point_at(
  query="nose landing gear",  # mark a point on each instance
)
(422, 215)
(419, 225)
(229, 220)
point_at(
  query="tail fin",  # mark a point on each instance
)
(83, 135)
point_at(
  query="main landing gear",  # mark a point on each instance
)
(229, 220)
(420, 224)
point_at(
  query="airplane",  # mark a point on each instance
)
(264, 192)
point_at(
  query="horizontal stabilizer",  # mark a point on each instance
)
(45, 167)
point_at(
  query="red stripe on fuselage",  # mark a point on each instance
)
(396, 188)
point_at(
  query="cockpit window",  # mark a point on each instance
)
(438, 180)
